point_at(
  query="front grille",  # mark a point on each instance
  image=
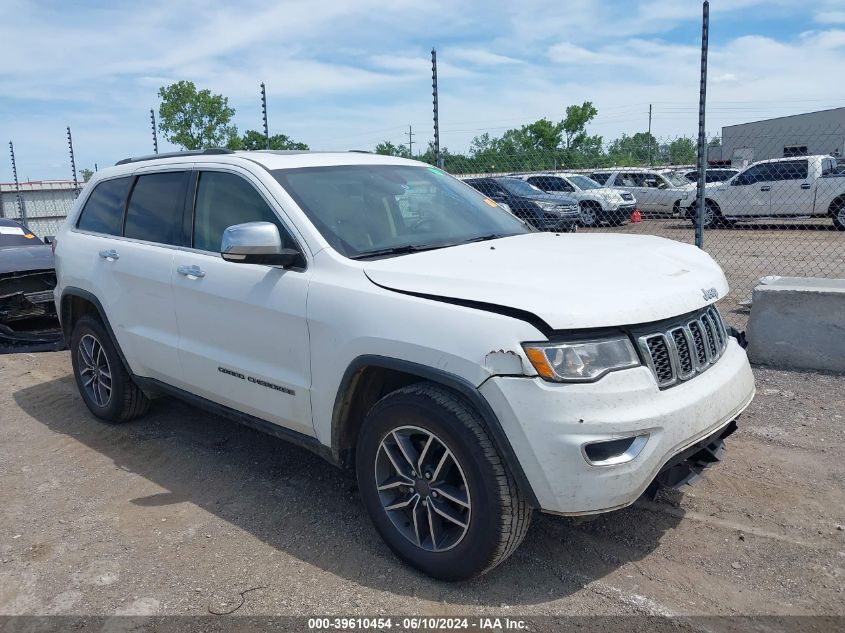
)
(685, 349)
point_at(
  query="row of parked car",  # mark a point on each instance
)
(795, 187)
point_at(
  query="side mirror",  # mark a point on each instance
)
(49, 239)
(257, 243)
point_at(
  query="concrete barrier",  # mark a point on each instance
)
(798, 323)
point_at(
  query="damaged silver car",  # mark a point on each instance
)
(28, 321)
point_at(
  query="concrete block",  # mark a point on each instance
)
(798, 323)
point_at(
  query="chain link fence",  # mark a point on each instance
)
(774, 198)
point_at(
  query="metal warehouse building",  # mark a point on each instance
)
(821, 132)
(42, 204)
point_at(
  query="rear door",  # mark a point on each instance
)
(792, 190)
(243, 333)
(129, 250)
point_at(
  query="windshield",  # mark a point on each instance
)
(582, 182)
(361, 209)
(676, 179)
(16, 235)
(519, 187)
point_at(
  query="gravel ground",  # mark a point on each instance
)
(181, 511)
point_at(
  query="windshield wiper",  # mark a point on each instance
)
(398, 250)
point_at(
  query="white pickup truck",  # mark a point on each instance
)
(780, 188)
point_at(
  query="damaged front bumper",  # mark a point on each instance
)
(28, 321)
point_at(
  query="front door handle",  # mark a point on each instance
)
(765, 188)
(191, 271)
(805, 185)
(109, 254)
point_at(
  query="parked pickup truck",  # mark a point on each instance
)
(779, 188)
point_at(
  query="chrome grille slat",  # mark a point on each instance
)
(684, 350)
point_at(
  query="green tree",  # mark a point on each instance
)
(195, 119)
(575, 124)
(633, 150)
(253, 139)
(86, 174)
(386, 148)
(681, 151)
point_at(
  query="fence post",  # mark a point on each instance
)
(155, 136)
(72, 160)
(437, 158)
(264, 116)
(702, 140)
(18, 196)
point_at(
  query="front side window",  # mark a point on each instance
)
(223, 200)
(154, 212)
(600, 177)
(103, 211)
(365, 210)
(754, 174)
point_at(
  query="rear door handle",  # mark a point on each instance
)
(190, 271)
(109, 254)
(805, 185)
(765, 188)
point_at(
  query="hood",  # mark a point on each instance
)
(570, 281)
(555, 198)
(25, 258)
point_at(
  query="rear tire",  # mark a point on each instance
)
(104, 384)
(489, 514)
(837, 212)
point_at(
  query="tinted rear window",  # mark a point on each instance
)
(103, 211)
(155, 208)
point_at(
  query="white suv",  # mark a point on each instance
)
(392, 319)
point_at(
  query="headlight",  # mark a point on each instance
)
(548, 206)
(583, 361)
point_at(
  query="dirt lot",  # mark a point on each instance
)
(179, 512)
(794, 248)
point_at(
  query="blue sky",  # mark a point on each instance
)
(344, 74)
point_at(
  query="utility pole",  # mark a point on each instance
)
(155, 137)
(437, 158)
(702, 140)
(72, 161)
(264, 116)
(410, 135)
(649, 135)
(18, 197)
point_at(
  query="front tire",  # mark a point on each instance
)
(590, 212)
(713, 217)
(104, 384)
(435, 486)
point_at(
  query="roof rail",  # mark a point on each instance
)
(191, 152)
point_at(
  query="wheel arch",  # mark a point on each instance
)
(76, 303)
(835, 205)
(368, 378)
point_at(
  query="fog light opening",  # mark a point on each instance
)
(612, 452)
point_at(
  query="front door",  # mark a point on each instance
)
(243, 333)
(792, 188)
(749, 192)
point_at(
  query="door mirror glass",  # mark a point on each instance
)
(257, 243)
